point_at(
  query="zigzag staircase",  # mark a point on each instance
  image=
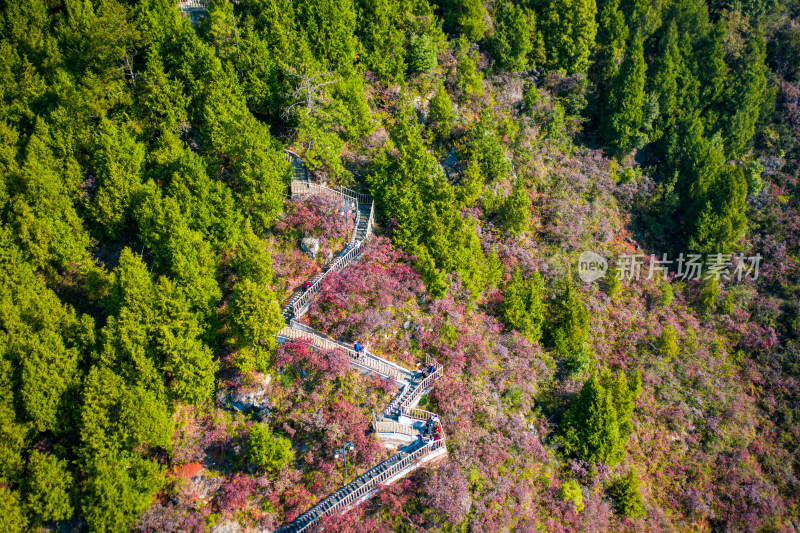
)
(401, 421)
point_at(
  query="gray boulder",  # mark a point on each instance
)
(310, 245)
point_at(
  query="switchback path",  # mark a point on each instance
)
(401, 421)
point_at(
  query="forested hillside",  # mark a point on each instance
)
(148, 242)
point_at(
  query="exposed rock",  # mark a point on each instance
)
(249, 400)
(244, 399)
(227, 526)
(310, 245)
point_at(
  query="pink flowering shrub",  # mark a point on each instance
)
(235, 493)
(446, 493)
(316, 214)
(301, 358)
(367, 297)
(170, 518)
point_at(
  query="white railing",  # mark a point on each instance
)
(359, 196)
(371, 221)
(424, 385)
(292, 157)
(416, 413)
(302, 187)
(390, 426)
(408, 374)
(299, 305)
(364, 359)
(296, 331)
(355, 227)
(371, 479)
(192, 5)
(394, 403)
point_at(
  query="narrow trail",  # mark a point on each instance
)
(401, 422)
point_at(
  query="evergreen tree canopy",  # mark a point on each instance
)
(590, 429)
(625, 106)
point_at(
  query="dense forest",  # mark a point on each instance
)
(149, 241)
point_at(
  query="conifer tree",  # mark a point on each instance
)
(569, 29)
(712, 193)
(440, 115)
(268, 452)
(668, 341)
(255, 318)
(485, 147)
(516, 208)
(625, 107)
(188, 364)
(515, 312)
(48, 488)
(410, 187)
(571, 491)
(469, 77)
(712, 73)
(626, 495)
(511, 41)
(523, 307)
(746, 93)
(330, 29)
(131, 287)
(464, 17)
(471, 186)
(624, 392)
(40, 210)
(118, 160)
(14, 520)
(590, 429)
(667, 70)
(569, 325)
(381, 32)
(252, 260)
(612, 33)
(421, 53)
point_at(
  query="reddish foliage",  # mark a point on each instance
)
(235, 493)
(300, 356)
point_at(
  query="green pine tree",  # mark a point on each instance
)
(440, 114)
(569, 324)
(523, 307)
(624, 392)
(511, 41)
(745, 95)
(516, 209)
(569, 29)
(626, 495)
(612, 33)
(625, 106)
(664, 82)
(470, 79)
(48, 488)
(668, 341)
(464, 17)
(267, 452)
(590, 429)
